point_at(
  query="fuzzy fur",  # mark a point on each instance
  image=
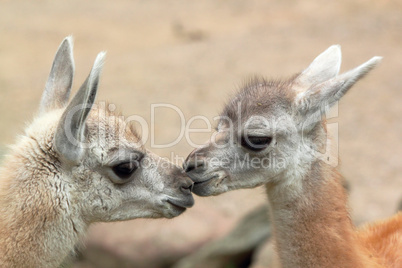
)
(308, 204)
(53, 187)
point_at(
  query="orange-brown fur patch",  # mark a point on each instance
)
(383, 240)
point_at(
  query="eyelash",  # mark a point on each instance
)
(255, 143)
(125, 170)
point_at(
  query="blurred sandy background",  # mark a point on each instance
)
(194, 54)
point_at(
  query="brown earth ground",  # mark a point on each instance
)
(194, 54)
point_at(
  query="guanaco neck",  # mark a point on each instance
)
(37, 223)
(310, 219)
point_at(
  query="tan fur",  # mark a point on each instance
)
(63, 173)
(35, 212)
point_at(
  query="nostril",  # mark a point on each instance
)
(187, 188)
(191, 187)
(188, 167)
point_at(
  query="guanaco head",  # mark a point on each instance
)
(96, 157)
(271, 127)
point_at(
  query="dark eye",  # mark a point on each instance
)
(125, 170)
(255, 143)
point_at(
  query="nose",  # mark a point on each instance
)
(187, 187)
(193, 162)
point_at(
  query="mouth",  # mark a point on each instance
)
(205, 181)
(180, 205)
(200, 183)
(208, 187)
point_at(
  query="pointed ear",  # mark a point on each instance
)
(58, 85)
(323, 68)
(69, 137)
(322, 96)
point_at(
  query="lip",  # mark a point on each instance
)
(199, 183)
(209, 186)
(177, 208)
(202, 188)
(204, 181)
(181, 204)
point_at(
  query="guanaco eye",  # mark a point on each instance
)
(255, 143)
(125, 170)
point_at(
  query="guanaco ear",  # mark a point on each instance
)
(318, 98)
(323, 68)
(69, 137)
(58, 85)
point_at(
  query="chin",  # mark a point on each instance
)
(173, 211)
